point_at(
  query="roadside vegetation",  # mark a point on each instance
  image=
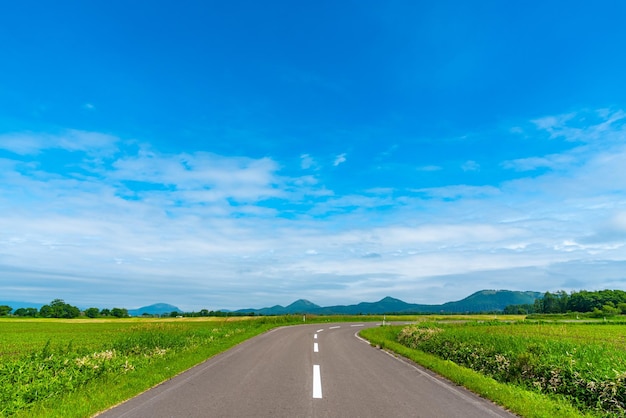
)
(75, 368)
(584, 303)
(535, 369)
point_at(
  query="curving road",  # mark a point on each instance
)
(307, 371)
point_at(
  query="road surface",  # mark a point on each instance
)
(306, 371)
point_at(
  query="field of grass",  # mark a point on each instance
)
(575, 368)
(75, 368)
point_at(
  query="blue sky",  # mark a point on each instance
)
(245, 154)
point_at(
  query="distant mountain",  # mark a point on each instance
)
(385, 305)
(301, 306)
(482, 301)
(491, 300)
(156, 309)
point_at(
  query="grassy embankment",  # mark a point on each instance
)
(533, 369)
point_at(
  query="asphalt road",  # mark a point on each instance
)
(307, 371)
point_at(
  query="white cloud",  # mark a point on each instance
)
(28, 143)
(380, 191)
(470, 165)
(601, 125)
(445, 234)
(429, 168)
(22, 143)
(197, 227)
(202, 176)
(459, 191)
(88, 142)
(341, 158)
(553, 162)
(307, 162)
(608, 232)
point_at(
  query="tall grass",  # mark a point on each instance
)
(590, 373)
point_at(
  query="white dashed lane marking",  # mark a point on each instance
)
(317, 376)
(317, 382)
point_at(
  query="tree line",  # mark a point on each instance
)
(59, 309)
(598, 303)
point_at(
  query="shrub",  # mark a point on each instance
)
(592, 376)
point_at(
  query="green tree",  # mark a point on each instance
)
(59, 309)
(119, 312)
(5, 310)
(31, 312)
(105, 312)
(64, 310)
(524, 309)
(562, 299)
(550, 303)
(610, 310)
(587, 301)
(92, 312)
(45, 311)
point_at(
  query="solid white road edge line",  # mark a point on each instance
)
(477, 402)
(317, 382)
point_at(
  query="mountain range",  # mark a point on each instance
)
(482, 301)
(156, 309)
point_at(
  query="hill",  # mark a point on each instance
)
(300, 306)
(156, 309)
(491, 300)
(482, 301)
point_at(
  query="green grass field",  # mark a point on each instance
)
(75, 368)
(59, 368)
